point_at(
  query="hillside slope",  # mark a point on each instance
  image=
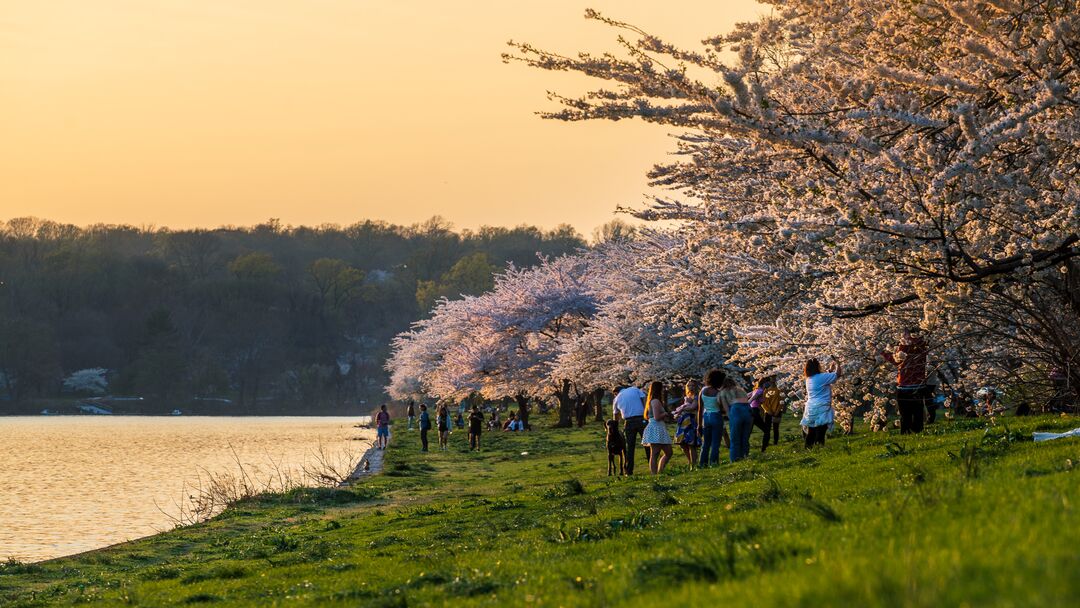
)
(959, 516)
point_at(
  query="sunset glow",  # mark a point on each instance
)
(198, 113)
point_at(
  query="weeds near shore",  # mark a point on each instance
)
(212, 492)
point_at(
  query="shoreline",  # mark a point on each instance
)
(373, 456)
(370, 455)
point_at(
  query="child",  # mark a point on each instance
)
(686, 427)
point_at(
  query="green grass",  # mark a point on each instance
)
(960, 516)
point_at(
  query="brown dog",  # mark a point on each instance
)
(616, 446)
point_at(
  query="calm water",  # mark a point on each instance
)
(74, 483)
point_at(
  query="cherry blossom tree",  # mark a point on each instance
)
(90, 381)
(865, 166)
(502, 343)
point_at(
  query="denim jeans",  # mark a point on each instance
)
(632, 429)
(712, 429)
(741, 425)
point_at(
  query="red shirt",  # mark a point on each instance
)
(911, 364)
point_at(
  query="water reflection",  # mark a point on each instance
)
(75, 483)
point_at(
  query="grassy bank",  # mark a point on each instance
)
(959, 516)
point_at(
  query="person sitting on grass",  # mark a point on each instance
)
(382, 427)
(512, 423)
(476, 426)
(495, 423)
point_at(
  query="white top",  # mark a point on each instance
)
(630, 401)
(819, 389)
(819, 410)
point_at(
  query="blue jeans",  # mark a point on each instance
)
(742, 422)
(712, 428)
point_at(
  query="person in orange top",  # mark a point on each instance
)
(910, 361)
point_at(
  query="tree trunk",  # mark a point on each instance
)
(598, 403)
(582, 404)
(523, 410)
(566, 406)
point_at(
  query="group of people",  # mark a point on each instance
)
(700, 416)
(444, 424)
(699, 419)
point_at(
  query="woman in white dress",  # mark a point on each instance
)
(656, 435)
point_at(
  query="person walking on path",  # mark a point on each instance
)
(656, 435)
(629, 403)
(737, 404)
(382, 427)
(476, 426)
(710, 418)
(910, 361)
(818, 416)
(425, 426)
(411, 412)
(772, 410)
(686, 423)
(442, 421)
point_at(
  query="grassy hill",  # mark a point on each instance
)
(962, 516)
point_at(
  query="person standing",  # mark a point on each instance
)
(818, 416)
(736, 402)
(425, 426)
(382, 427)
(629, 403)
(411, 412)
(686, 422)
(757, 415)
(910, 361)
(711, 418)
(476, 426)
(772, 410)
(656, 435)
(442, 420)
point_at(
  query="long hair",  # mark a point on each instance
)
(763, 382)
(692, 388)
(813, 368)
(656, 391)
(714, 378)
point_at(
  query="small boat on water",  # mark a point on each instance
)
(94, 408)
(177, 413)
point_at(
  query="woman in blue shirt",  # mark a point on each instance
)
(818, 416)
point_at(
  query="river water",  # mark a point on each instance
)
(73, 483)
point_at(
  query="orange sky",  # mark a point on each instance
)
(206, 112)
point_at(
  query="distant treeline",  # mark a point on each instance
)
(271, 318)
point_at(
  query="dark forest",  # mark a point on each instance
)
(268, 319)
